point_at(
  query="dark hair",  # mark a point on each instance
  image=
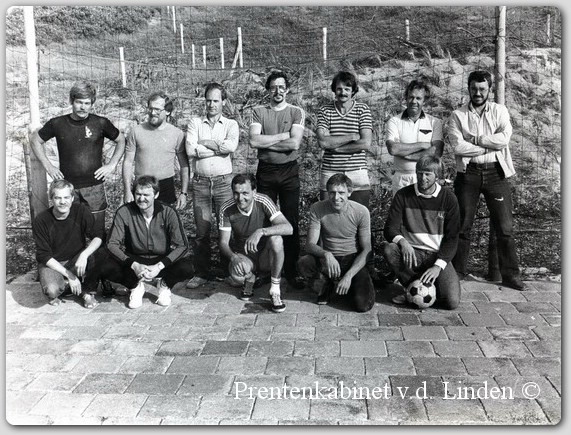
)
(82, 90)
(274, 75)
(147, 181)
(347, 78)
(480, 76)
(338, 180)
(214, 85)
(61, 184)
(243, 179)
(418, 84)
(430, 164)
(169, 105)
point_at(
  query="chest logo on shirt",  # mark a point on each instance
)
(440, 215)
(88, 132)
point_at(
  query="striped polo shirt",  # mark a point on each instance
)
(356, 119)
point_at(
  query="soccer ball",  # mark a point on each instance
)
(420, 295)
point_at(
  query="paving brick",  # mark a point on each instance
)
(468, 333)
(54, 363)
(396, 410)
(225, 348)
(409, 348)
(270, 348)
(85, 332)
(466, 383)
(488, 319)
(62, 404)
(548, 332)
(456, 348)
(223, 308)
(538, 366)
(549, 348)
(505, 295)
(225, 408)
(189, 422)
(535, 307)
(357, 319)
(83, 319)
(312, 385)
(104, 383)
(421, 333)
(363, 348)
(250, 365)
(299, 307)
(475, 296)
(290, 365)
(503, 349)
(355, 410)
(199, 319)
(155, 384)
(335, 333)
(169, 332)
(247, 333)
(514, 412)
(551, 408)
(169, 406)
(281, 332)
(523, 319)
(519, 387)
(235, 320)
(139, 348)
(18, 380)
(495, 307)
(433, 366)
(380, 333)
(404, 319)
(194, 365)
(41, 346)
(47, 332)
(317, 348)
(552, 318)
(466, 307)
(205, 385)
(317, 320)
(556, 382)
(489, 366)
(280, 409)
(21, 402)
(390, 365)
(545, 286)
(204, 333)
(227, 422)
(416, 387)
(180, 348)
(551, 297)
(146, 364)
(272, 319)
(90, 347)
(441, 411)
(20, 362)
(115, 405)
(512, 333)
(245, 386)
(440, 319)
(478, 286)
(126, 331)
(52, 382)
(339, 365)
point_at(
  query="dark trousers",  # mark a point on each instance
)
(361, 292)
(487, 179)
(167, 192)
(281, 183)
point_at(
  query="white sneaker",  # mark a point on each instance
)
(277, 305)
(164, 298)
(196, 282)
(136, 297)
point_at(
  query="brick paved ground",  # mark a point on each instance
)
(196, 361)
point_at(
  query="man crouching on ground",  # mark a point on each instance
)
(251, 227)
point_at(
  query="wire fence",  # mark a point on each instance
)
(383, 49)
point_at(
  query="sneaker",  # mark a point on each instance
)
(107, 290)
(247, 290)
(399, 300)
(89, 301)
(54, 302)
(277, 305)
(164, 298)
(323, 287)
(136, 296)
(196, 282)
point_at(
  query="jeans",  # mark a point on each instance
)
(489, 180)
(361, 292)
(282, 182)
(205, 191)
(447, 284)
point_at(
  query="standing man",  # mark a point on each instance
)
(251, 230)
(62, 251)
(276, 132)
(209, 142)
(153, 146)
(413, 134)
(480, 134)
(80, 137)
(338, 264)
(422, 231)
(147, 241)
(344, 131)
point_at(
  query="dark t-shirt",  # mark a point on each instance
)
(80, 146)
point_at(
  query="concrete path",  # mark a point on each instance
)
(211, 359)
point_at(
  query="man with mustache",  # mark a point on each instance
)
(480, 133)
(147, 242)
(413, 134)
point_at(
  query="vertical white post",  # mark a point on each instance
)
(222, 53)
(325, 44)
(241, 60)
(169, 11)
(173, 19)
(500, 55)
(407, 30)
(122, 62)
(204, 55)
(193, 59)
(548, 29)
(181, 38)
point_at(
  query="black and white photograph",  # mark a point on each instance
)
(283, 215)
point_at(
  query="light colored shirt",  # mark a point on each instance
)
(492, 127)
(225, 133)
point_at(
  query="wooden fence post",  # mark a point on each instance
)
(325, 44)
(122, 62)
(193, 58)
(222, 53)
(204, 55)
(181, 38)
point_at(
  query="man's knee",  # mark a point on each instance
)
(276, 243)
(52, 290)
(392, 253)
(308, 266)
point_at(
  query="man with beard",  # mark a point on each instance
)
(422, 231)
(276, 132)
(147, 242)
(480, 133)
(413, 134)
(152, 147)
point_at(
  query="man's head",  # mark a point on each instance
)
(145, 190)
(344, 86)
(277, 84)
(62, 193)
(479, 86)
(428, 171)
(215, 96)
(243, 190)
(159, 106)
(416, 94)
(339, 188)
(81, 97)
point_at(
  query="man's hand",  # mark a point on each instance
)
(408, 255)
(128, 197)
(430, 275)
(74, 283)
(332, 266)
(81, 264)
(238, 265)
(104, 171)
(251, 244)
(343, 285)
(54, 172)
(180, 201)
(470, 138)
(151, 272)
(140, 270)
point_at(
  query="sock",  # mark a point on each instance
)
(275, 286)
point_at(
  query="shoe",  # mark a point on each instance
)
(399, 300)
(323, 287)
(262, 280)
(164, 298)
(323, 298)
(247, 291)
(515, 283)
(277, 305)
(54, 302)
(107, 290)
(196, 282)
(89, 301)
(136, 296)
(297, 282)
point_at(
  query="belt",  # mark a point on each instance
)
(344, 172)
(214, 177)
(481, 166)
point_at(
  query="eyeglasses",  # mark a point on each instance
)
(155, 110)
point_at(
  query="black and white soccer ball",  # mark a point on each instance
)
(421, 295)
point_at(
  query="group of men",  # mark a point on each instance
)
(427, 228)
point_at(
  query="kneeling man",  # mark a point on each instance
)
(344, 227)
(147, 241)
(251, 227)
(422, 228)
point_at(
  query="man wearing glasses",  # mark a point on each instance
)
(152, 148)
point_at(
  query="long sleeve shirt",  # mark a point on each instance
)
(163, 240)
(493, 126)
(225, 132)
(427, 222)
